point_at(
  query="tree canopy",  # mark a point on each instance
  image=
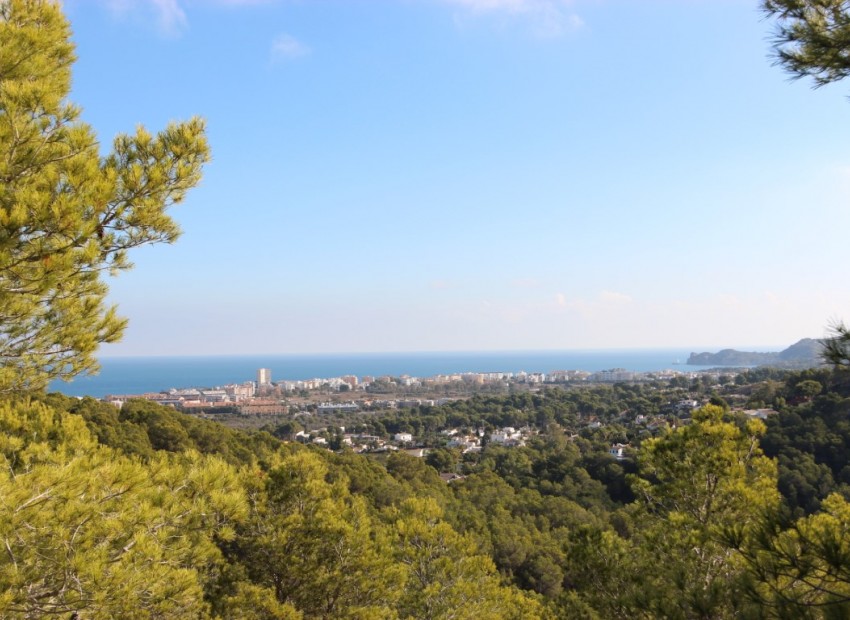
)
(67, 214)
(812, 38)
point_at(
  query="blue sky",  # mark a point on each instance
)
(440, 175)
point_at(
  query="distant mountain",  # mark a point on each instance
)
(805, 349)
(803, 354)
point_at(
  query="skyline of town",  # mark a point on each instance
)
(264, 395)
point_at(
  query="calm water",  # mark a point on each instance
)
(135, 375)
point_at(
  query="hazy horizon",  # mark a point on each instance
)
(694, 349)
(141, 374)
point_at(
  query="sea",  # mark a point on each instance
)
(138, 375)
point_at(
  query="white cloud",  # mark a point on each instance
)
(168, 14)
(546, 18)
(285, 46)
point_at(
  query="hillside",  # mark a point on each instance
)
(802, 354)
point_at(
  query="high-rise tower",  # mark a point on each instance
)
(264, 377)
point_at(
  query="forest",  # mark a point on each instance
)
(147, 512)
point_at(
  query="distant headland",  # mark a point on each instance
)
(803, 354)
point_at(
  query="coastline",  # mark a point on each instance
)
(130, 375)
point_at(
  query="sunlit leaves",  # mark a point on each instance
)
(86, 530)
(66, 213)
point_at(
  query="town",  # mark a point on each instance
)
(367, 393)
(362, 414)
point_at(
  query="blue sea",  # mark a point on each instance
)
(136, 375)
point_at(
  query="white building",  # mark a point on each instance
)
(618, 450)
(240, 391)
(214, 396)
(507, 435)
(613, 375)
(264, 377)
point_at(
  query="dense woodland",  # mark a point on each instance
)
(147, 512)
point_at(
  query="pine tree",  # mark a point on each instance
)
(694, 484)
(67, 214)
(812, 38)
(86, 531)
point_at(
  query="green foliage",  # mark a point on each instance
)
(146, 512)
(694, 483)
(417, 475)
(104, 422)
(666, 554)
(606, 574)
(67, 214)
(446, 577)
(837, 347)
(314, 545)
(444, 459)
(142, 425)
(521, 529)
(123, 505)
(706, 471)
(88, 531)
(808, 388)
(252, 602)
(764, 394)
(551, 465)
(812, 38)
(811, 441)
(804, 571)
(368, 478)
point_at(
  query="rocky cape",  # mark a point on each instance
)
(804, 354)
